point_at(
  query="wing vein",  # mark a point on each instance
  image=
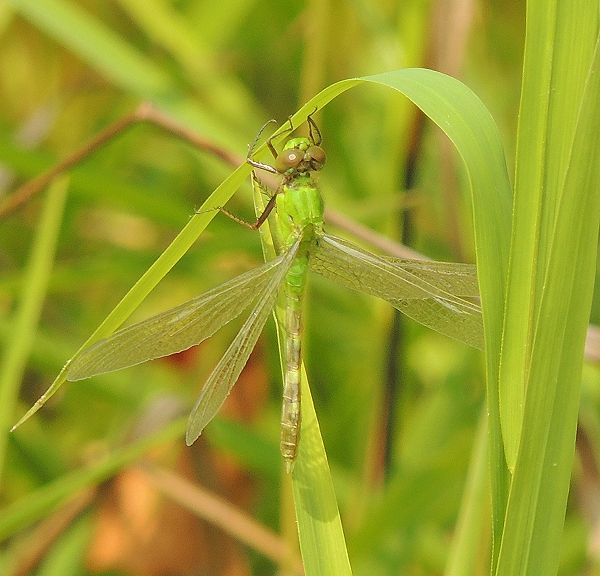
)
(428, 292)
(174, 330)
(224, 376)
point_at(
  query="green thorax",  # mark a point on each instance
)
(300, 210)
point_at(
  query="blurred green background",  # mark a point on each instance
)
(67, 70)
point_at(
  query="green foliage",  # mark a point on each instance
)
(222, 69)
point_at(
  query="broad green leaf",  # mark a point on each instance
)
(555, 70)
(538, 496)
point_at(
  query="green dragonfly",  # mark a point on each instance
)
(439, 295)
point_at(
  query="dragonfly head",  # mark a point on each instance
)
(300, 155)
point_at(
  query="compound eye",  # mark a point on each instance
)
(317, 157)
(288, 159)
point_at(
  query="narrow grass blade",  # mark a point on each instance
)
(35, 282)
(554, 73)
(319, 524)
(468, 552)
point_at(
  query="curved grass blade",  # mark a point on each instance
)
(174, 330)
(470, 126)
(412, 288)
(227, 371)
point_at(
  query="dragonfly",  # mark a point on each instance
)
(440, 295)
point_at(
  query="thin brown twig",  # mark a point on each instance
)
(144, 113)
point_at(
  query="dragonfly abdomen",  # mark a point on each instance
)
(290, 411)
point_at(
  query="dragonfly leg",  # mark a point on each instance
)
(256, 181)
(251, 225)
(252, 146)
(267, 211)
(314, 129)
(262, 166)
(270, 140)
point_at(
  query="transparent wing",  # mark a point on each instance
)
(224, 376)
(428, 292)
(176, 329)
(455, 278)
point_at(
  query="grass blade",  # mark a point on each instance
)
(555, 71)
(469, 125)
(319, 523)
(539, 490)
(35, 281)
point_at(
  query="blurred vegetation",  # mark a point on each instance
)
(103, 458)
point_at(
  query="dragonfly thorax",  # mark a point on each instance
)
(300, 209)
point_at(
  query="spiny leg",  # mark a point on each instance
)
(265, 213)
(269, 143)
(312, 125)
(256, 182)
(259, 221)
(252, 146)
(270, 140)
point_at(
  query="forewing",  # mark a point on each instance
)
(176, 329)
(428, 292)
(224, 376)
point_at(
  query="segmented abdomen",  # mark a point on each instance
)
(290, 411)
